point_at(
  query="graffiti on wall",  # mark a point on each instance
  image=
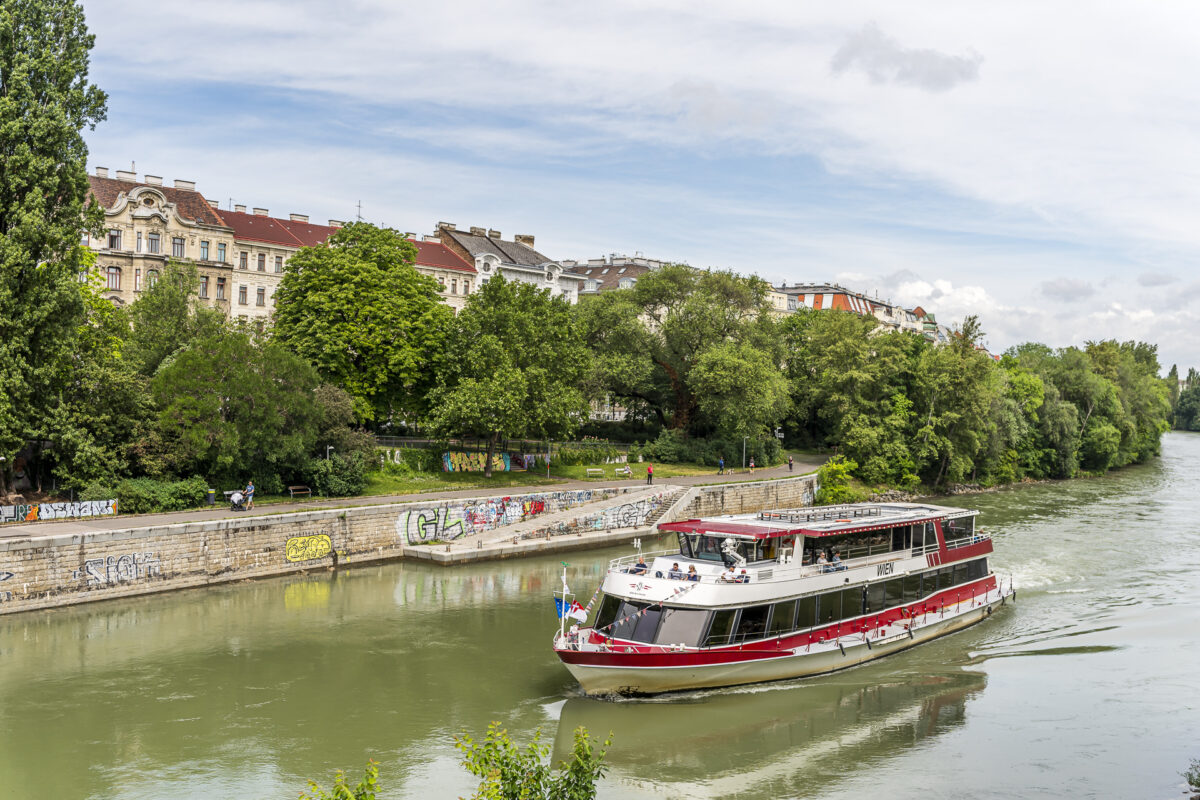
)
(118, 569)
(455, 520)
(36, 511)
(308, 548)
(626, 515)
(5, 596)
(475, 462)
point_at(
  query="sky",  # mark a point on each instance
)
(1035, 164)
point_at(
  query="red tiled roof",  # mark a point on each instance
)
(609, 275)
(272, 230)
(191, 204)
(436, 254)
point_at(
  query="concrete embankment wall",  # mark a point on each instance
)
(48, 571)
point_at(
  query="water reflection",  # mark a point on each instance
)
(779, 740)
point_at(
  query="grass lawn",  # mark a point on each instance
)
(379, 483)
(636, 470)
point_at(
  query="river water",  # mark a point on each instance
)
(1087, 686)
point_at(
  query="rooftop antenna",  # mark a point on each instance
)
(359, 214)
(133, 167)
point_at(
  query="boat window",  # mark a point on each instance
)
(707, 548)
(852, 602)
(685, 545)
(895, 592)
(944, 577)
(681, 626)
(918, 535)
(960, 574)
(721, 627)
(783, 618)
(976, 569)
(608, 611)
(958, 528)
(753, 623)
(647, 624)
(751, 551)
(830, 607)
(912, 587)
(875, 596)
(806, 616)
(627, 620)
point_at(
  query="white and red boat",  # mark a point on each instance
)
(782, 594)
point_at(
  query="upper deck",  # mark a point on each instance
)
(817, 521)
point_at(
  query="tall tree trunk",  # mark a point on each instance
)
(491, 448)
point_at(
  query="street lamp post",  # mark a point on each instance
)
(744, 438)
(328, 447)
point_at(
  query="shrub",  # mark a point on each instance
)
(673, 447)
(337, 476)
(410, 460)
(834, 477)
(146, 495)
(589, 451)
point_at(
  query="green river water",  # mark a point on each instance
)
(1088, 686)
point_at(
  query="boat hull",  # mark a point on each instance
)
(817, 659)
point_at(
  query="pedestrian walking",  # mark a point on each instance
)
(721, 465)
(751, 465)
(649, 474)
(249, 495)
(789, 463)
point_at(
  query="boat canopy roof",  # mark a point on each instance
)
(816, 520)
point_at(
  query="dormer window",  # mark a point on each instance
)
(621, 271)
(604, 271)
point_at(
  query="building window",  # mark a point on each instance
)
(203, 250)
(243, 261)
(138, 248)
(204, 286)
(220, 288)
(279, 263)
(242, 295)
(454, 286)
(221, 252)
(137, 280)
(466, 287)
(177, 247)
(85, 240)
(152, 243)
(262, 262)
(114, 240)
(441, 283)
(151, 278)
(113, 275)
(261, 299)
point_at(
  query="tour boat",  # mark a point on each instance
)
(780, 594)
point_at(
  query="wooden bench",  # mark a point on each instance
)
(293, 491)
(595, 472)
(626, 471)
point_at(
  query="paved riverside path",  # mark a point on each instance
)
(221, 510)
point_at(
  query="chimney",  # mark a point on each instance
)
(261, 212)
(434, 239)
(101, 172)
(447, 225)
(493, 234)
(298, 217)
(214, 204)
(186, 185)
(126, 175)
(477, 231)
(524, 238)
(240, 209)
(336, 223)
(154, 180)
(410, 235)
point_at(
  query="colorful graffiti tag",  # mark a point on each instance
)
(451, 521)
(36, 511)
(475, 462)
(117, 569)
(308, 548)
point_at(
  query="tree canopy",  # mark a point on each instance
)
(356, 309)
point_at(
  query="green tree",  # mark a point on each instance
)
(45, 103)
(364, 790)
(514, 367)
(357, 309)
(509, 772)
(168, 317)
(739, 389)
(232, 408)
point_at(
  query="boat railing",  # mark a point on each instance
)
(619, 564)
(978, 536)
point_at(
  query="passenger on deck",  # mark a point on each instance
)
(743, 578)
(692, 575)
(676, 574)
(640, 567)
(823, 562)
(728, 576)
(836, 564)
